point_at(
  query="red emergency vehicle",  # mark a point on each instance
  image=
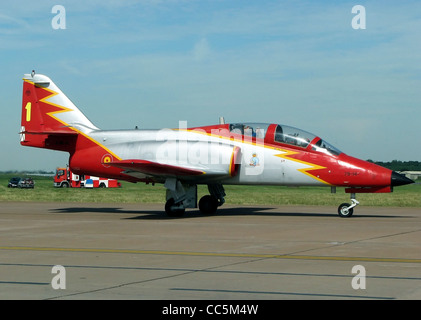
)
(65, 178)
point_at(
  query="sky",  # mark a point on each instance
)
(153, 63)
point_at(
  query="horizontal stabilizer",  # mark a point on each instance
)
(51, 132)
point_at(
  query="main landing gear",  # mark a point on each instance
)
(181, 196)
(209, 203)
(345, 210)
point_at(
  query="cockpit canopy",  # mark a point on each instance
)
(257, 130)
(293, 136)
(284, 135)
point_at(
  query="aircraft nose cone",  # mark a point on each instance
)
(399, 179)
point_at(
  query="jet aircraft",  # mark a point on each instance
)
(182, 158)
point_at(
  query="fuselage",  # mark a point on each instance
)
(268, 154)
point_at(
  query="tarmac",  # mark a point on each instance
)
(97, 251)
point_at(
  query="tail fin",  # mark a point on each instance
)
(49, 119)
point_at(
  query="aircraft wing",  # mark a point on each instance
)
(155, 168)
(189, 172)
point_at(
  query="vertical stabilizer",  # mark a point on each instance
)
(49, 119)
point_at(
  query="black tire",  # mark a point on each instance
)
(171, 212)
(344, 212)
(208, 204)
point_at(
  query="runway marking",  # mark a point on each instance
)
(283, 293)
(214, 254)
(25, 283)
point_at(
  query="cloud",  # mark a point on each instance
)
(201, 50)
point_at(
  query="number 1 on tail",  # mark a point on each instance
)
(28, 111)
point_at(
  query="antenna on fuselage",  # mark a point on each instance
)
(221, 120)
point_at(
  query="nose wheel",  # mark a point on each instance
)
(345, 210)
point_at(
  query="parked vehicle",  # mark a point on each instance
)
(65, 178)
(26, 183)
(13, 182)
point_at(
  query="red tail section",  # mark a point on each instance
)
(49, 119)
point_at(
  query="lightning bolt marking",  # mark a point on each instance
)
(64, 109)
(287, 155)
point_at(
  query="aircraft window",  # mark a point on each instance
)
(257, 130)
(293, 136)
(327, 148)
(237, 128)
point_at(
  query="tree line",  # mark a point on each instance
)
(398, 165)
(39, 172)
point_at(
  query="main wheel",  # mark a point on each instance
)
(171, 211)
(344, 212)
(208, 204)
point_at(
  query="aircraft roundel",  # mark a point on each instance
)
(107, 158)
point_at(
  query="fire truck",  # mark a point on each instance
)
(65, 178)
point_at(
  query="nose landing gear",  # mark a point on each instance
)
(345, 210)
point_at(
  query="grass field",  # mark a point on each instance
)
(404, 196)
